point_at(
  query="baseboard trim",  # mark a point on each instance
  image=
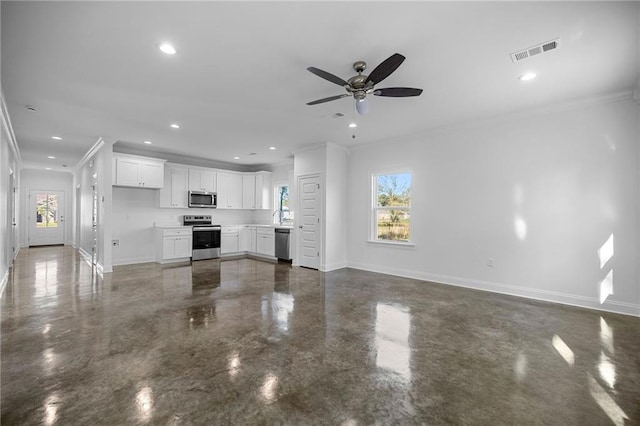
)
(3, 283)
(529, 293)
(134, 261)
(333, 266)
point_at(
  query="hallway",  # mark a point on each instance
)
(250, 342)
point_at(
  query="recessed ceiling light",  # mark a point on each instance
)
(528, 76)
(353, 125)
(236, 158)
(272, 148)
(175, 126)
(47, 168)
(147, 142)
(56, 138)
(168, 49)
(51, 157)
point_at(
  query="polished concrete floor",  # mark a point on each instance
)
(249, 342)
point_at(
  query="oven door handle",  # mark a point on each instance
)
(206, 228)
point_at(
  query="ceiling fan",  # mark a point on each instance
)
(359, 86)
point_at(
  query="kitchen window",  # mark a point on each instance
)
(282, 214)
(391, 212)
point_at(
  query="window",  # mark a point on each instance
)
(391, 207)
(282, 214)
(46, 211)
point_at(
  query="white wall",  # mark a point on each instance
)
(335, 212)
(539, 193)
(330, 162)
(9, 176)
(33, 179)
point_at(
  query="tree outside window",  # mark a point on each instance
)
(392, 207)
(282, 212)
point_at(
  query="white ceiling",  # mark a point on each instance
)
(239, 83)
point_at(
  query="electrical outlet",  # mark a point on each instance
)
(115, 243)
(490, 262)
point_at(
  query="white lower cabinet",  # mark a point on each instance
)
(247, 236)
(266, 241)
(230, 240)
(173, 244)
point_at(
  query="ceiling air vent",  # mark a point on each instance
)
(535, 50)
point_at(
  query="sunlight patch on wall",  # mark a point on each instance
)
(565, 351)
(605, 252)
(521, 228)
(606, 287)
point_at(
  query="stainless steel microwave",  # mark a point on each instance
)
(200, 199)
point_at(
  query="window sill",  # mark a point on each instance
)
(392, 243)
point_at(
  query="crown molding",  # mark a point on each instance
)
(92, 151)
(6, 122)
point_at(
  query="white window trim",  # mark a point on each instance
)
(374, 208)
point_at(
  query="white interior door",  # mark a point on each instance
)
(11, 217)
(309, 221)
(46, 217)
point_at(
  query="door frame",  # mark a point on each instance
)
(298, 218)
(31, 220)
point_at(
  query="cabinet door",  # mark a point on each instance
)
(244, 239)
(259, 190)
(208, 180)
(127, 172)
(151, 174)
(202, 180)
(229, 243)
(253, 242)
(179, 187)
(223, 184)
(234, 193)
(249, 191)
(183, 247)
(169, 247)
(194, 180)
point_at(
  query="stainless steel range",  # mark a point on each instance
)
(206, 237)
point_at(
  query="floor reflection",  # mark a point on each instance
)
(393, 324)
(51, 409)
(144, 404)
(201, 315)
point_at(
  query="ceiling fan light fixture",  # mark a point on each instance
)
(362, 106)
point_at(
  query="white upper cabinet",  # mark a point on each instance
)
(174, 192)
(229, 190)
(248, 191)
(139, 172)
(256, 190)
(202, 180)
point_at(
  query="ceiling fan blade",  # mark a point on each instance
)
(385, 69)
(330, 98)
(328, 76)
(398, 92)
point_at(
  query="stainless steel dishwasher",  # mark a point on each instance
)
(282, 243)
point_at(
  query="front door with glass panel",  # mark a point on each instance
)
(46, 217)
